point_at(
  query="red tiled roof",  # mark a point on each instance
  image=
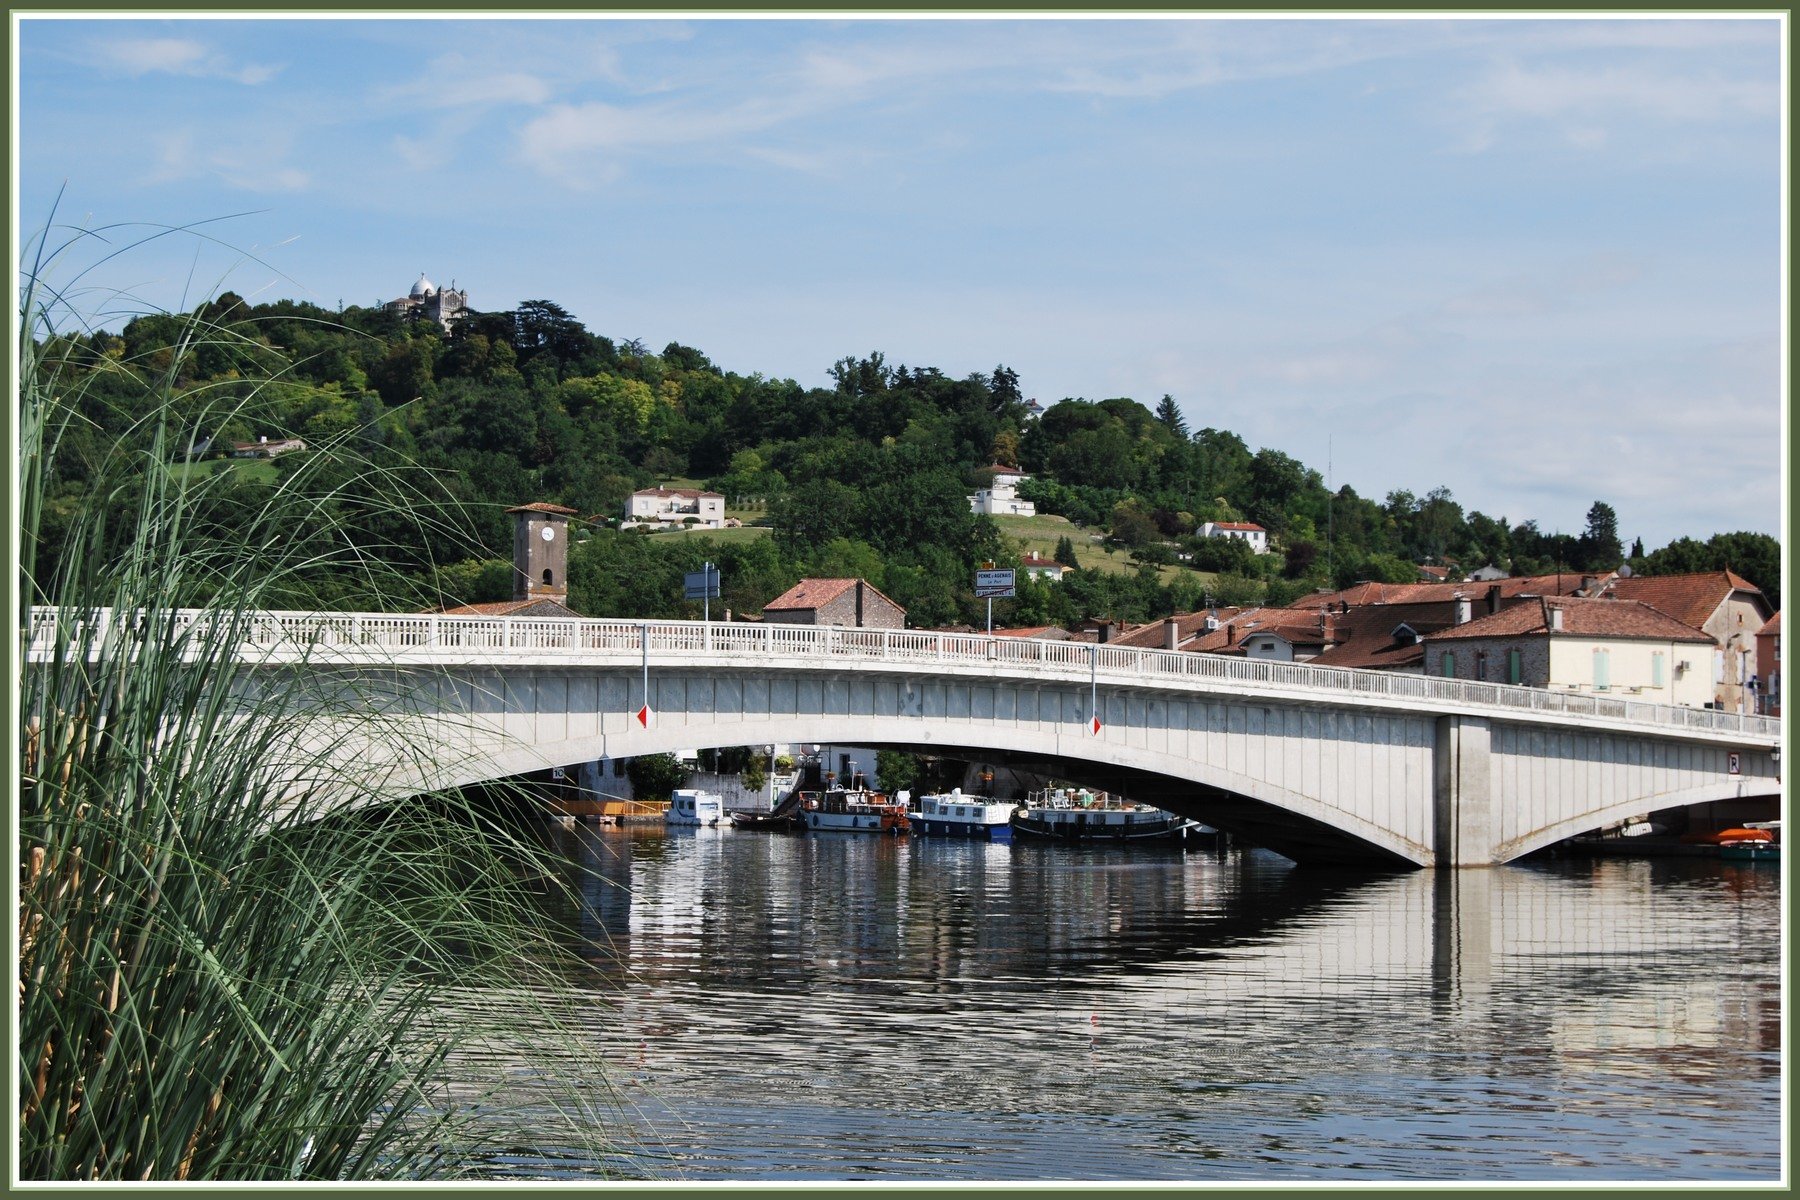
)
(540, 506)
(1364, 637)
(1003, 470)
(1188, 626)
(1369, 592)
(1772, 628)
(509, 608)
(1056, 632)
(1039, 563)
(1250, 526)
(815, 593)
(1581, 617)
(1691, 599)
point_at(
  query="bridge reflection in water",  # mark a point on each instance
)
(836, 1007)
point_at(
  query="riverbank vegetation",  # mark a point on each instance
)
(222, 974)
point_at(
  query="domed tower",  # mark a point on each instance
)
(541, 552)
(422, 290)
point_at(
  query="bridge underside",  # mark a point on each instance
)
(1306, 841)
(1372, 787)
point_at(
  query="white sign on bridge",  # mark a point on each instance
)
(994, 583)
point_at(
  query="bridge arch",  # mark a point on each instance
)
(1622, 810)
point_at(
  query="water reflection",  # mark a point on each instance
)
(1133, 1012)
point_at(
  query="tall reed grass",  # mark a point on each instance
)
(219, 979)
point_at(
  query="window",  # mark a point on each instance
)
(1447, 665)
(546, 577)
(1656, 669)
(1602, 670)
(1515, 667)
(1481, 664)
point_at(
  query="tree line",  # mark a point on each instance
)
(868, 476)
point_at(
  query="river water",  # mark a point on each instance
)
(850, 1007)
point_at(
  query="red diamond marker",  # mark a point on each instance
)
(1096, 725)
(643, 716)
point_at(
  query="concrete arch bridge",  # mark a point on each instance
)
(1320, 764)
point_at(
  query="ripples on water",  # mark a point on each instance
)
(817, 1007)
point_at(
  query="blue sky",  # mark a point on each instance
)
(1535, 261)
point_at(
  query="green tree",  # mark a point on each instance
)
(654, 776)
(1600, 549)
(1169, 414)
(896, 770)
(1065, 552)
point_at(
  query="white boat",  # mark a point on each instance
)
(1077, 813)
(853, 810)
(689, 806)
(952, 814)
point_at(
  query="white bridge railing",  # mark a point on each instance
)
(454, 639)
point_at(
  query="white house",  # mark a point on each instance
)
(671, 508)
(263, 447)
(1249, 531)
(1001, 496)
(1038, 567)
(1580, 644)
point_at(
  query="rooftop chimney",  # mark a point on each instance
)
(1493, 598)
(1553, 618)
(1231, 635)
(1464, 609)
(1171, 633)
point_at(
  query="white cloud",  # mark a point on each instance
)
(452, 81)
(248, 165)
(178, 56)
(562, 139)
(1555, 92)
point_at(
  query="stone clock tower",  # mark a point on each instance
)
(541, 552)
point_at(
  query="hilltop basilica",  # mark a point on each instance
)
(443, 305)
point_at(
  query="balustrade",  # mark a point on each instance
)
(374, 634)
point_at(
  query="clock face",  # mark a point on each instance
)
(547, 533)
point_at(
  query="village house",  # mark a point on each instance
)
(1001, 497)
(1723, 604)
(265, 447)
(1579, 644)
(1247, 531)
(854, 603)
(1391, 637)
(1038, 567)
(674, 508)
(1768, 667)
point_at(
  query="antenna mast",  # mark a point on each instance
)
(1330, 495)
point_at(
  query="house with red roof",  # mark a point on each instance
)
(1724, 604)
(1038, 567)
(1247, 531)
(1579, 644)
(855, 603)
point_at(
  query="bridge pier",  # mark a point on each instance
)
(1463, 793)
